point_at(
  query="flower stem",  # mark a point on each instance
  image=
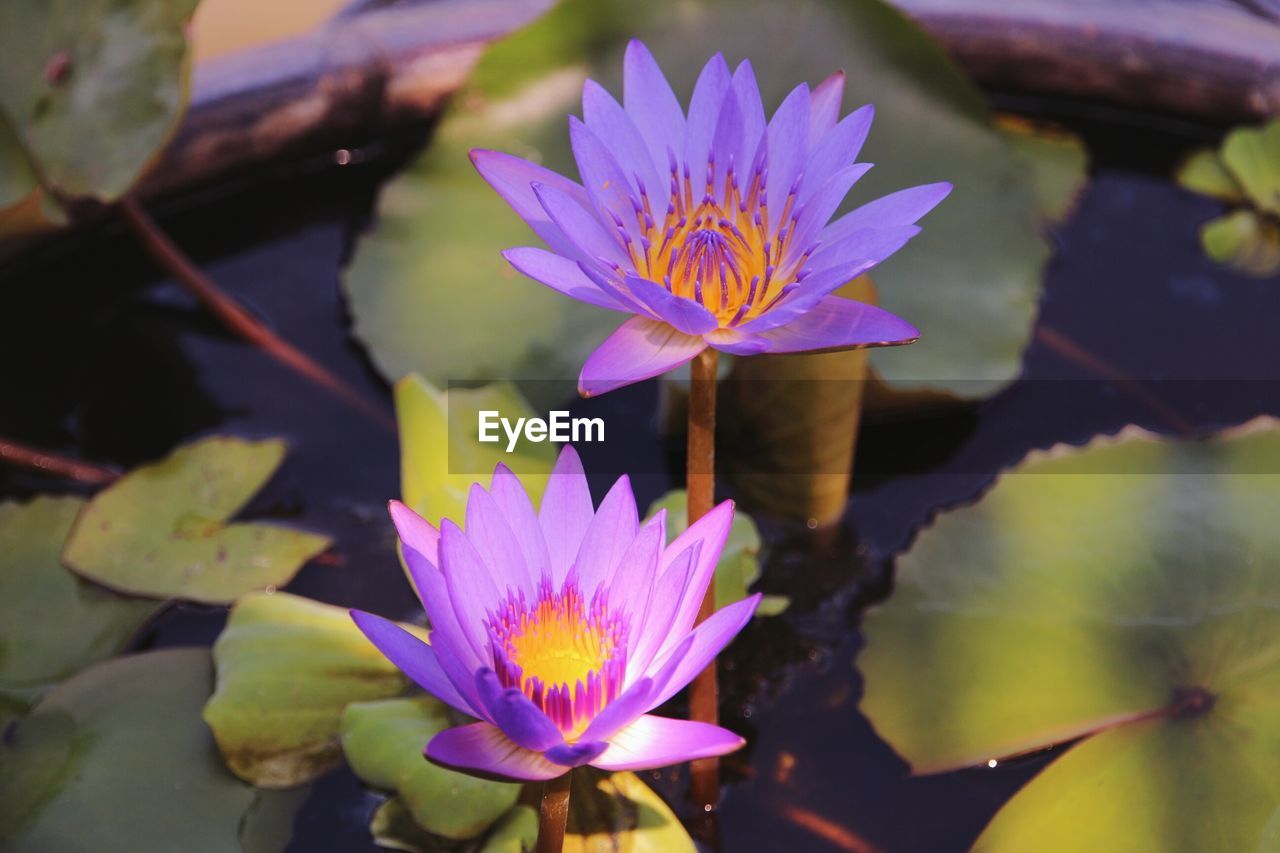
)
(26, 456)
(234, 316)
(553, 813)
(701, 484)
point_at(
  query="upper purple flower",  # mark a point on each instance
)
(712, 229)
(560, 630)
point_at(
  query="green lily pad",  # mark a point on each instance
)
(739, 565)
(515, 833)
(430, 293)
(1205, 173)
(1244, 171)
(1246, 241)
(1124, 593)
(39, 600)
(441, 455)
(1058, 160)
(287, 667)
(90, 89)
(1253, 157)
(162, 531)
(393, 827)
(619, 812)
(383, 743)
(116, 759)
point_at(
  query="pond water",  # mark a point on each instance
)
(109, 363)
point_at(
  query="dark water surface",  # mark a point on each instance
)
(107, 362)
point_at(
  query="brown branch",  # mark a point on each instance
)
(234, 316)
(25, 456)
(553, 814)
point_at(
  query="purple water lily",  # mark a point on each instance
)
(712, 229)
(560, 630)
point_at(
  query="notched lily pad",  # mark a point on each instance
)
(52, 622)
(430, 292)
(383, 742)
(739, 565)
(116, 759)
(90, 90)
(1125, 594)
(441, 455)
(287, 667)
(1058, 160)
(162, 530)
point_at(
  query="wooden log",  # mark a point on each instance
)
(1216, 60)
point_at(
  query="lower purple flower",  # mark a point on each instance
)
(559, 630)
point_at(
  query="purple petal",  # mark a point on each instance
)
(459, 656)
(513, 501)
(576, 754)
(686, 660)
(609, 187)
(641, 348)
(471, 587)
(838, 150)
(650, 102)
(727, 149)
(904, 207)
(788, 142)
(836, 323)
(664, 602)
(514, 178)
(614, 128)
(712, 531)
(565, 513)
(483, 750)
(824, 107)
(659, 741)
(520, 720)
(496, 544)
(414, 658)
(562, 274)
(704, 110)
(819, 206)
(750, 109)
(687, 316)
(607, 537)
(416, 532)
(637, 570)
(591, 239)
(622, 711)
(736, 342)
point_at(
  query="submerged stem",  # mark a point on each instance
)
(26, 456)
(701, 484)
(553, 813)
(234, 316)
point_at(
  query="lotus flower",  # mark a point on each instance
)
(711, 228)
(560, 630)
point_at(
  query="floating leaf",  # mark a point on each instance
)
(515, 833)
(1247, 241)
(739, 565)
(1058, 161)
(441, 455)
(383, 742)
(393, 827)
(430, 293)
(619, 812)
(1125, 594)
(116, 759)
(91, 89)
(162, 531)
(1205, 173)
(53, 623)
(287, 667)
(1253, 157)
(267, 827)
